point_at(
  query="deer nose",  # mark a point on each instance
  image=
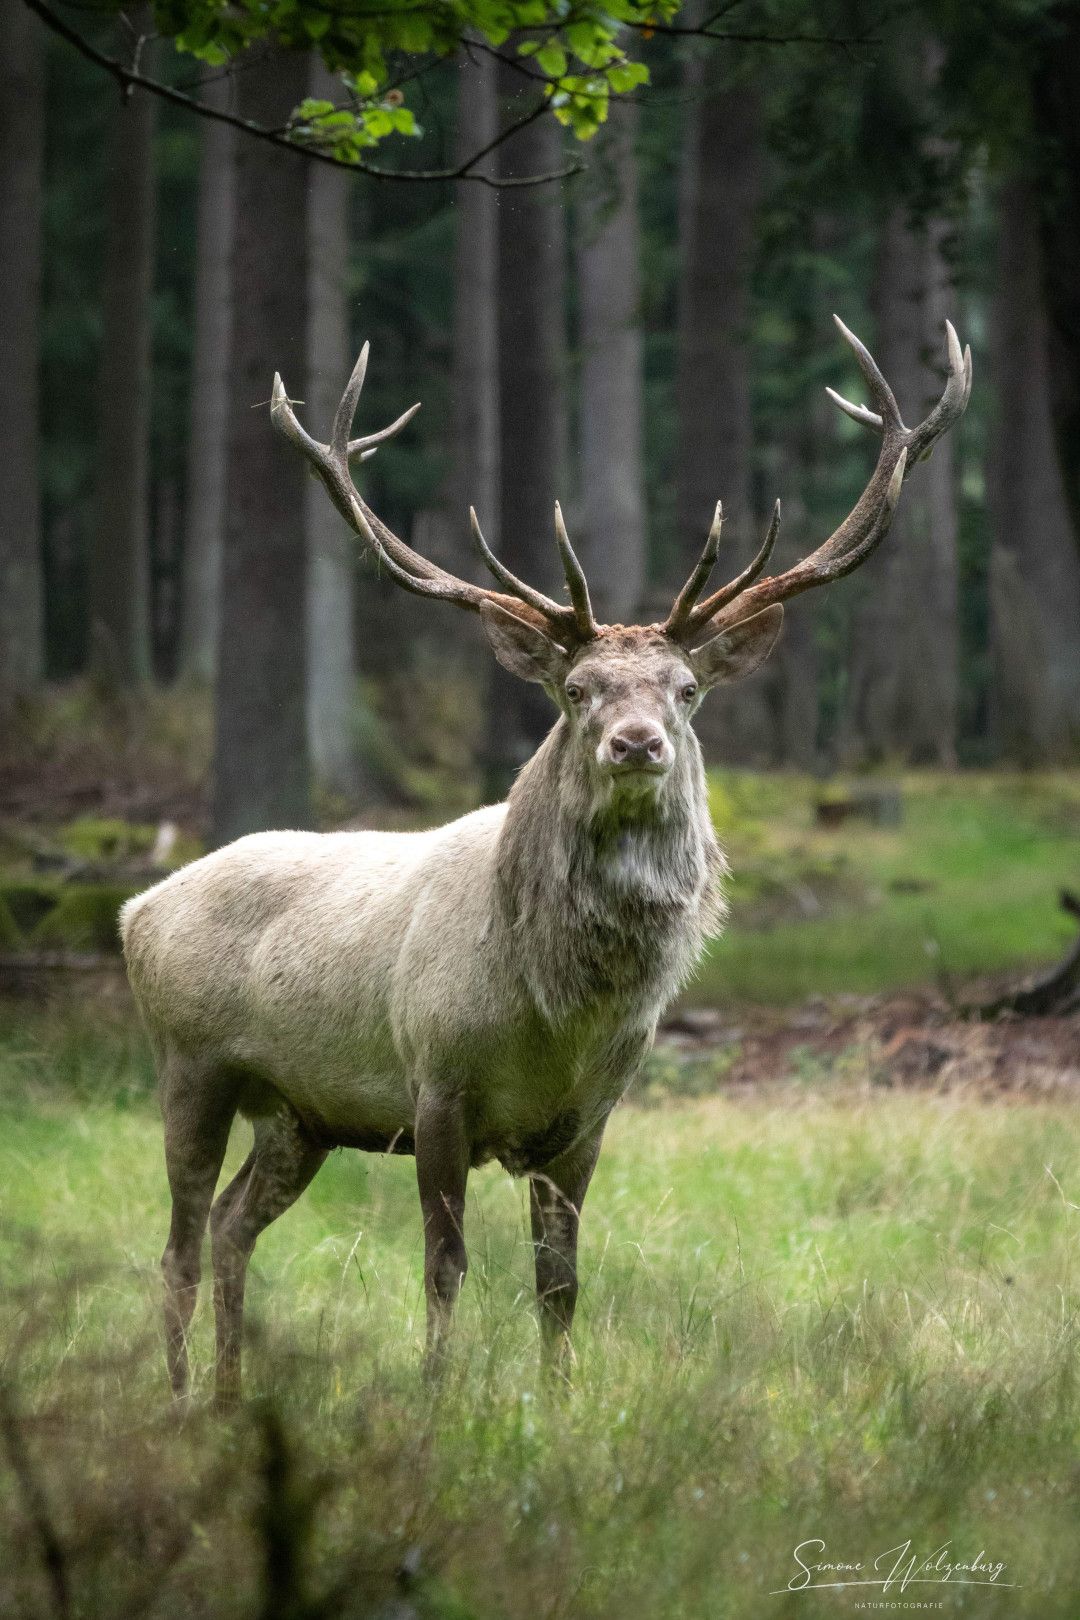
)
(637, 745)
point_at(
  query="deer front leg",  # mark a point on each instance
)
(442, 1170)
(556, 1195)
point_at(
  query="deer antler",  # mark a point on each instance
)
(866, 525)
(570, 624)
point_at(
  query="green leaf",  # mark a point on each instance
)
(625, 76)
(552, 58)
(581, 38)
(378, 121)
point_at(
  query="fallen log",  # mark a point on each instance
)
(1052, 995)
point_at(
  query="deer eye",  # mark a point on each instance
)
(688, 692)
(574, 692)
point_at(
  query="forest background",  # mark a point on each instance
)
(638, 338)
(829, 1261)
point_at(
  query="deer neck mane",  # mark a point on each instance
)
(606, 894)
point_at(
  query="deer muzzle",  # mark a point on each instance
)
(636, 746)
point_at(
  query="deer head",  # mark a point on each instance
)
(628, 692)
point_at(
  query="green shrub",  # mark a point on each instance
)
(28, 900)
(84, 918)
(10, 933)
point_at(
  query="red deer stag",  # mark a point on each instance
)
(486, 990)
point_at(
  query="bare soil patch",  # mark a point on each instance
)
(914, 1040)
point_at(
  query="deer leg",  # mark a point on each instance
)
(442, 1169)
(197, 1105)
(281, 1164)
(556, 1195)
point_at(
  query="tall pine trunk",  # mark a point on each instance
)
(792, 682)
(261, 747)
(1055, 100)
(22, 639)
(331, 650)
(120, 563)
(448, 650)
(1034, 567)
(450, 657)
(612, 476)
(533, 409)
(474, 479)
(721, 178)
(905, 649)
(208, 423)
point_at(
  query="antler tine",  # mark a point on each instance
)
(858, 413)
(699, 577)
(286, 420)
(341, 445)
(712, 604)
(953, 402)
(576, 583)
(867, 524)
(343, 416)
(366, 447)
(536, 599)
(407, 567)
(875, 381)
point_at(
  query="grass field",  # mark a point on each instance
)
(966, 883)
(824, 1312)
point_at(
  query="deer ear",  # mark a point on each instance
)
(738, 651)
(521, 648)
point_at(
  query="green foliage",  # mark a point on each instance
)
(106, 838)
(10, 933)
(27, 900)
(577, 53)
(84, 918)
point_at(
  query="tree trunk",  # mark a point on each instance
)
(1034, 568)
(22, 636)
(120, 564)
(532, 378)
(612, 475)
(331, 651)
(261, 754)
(449, 661)
(475, 385)
(903, 671)
(721, 178)
(208, 427)
(1056, 98)
(791, 683)
(929, 661)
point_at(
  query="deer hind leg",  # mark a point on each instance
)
(282, 1162)
(198, 1103)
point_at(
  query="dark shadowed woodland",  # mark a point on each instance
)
(829, 1266)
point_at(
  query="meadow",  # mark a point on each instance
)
(815, 1310)
(964, 883)
(825, 1311)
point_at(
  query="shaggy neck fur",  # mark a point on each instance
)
(608, 888)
